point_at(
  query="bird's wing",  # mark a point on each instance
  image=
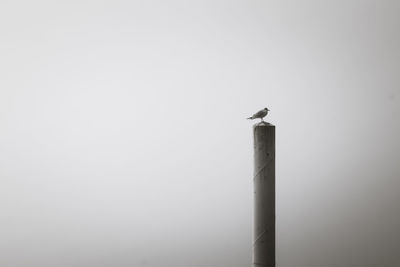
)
(259, 114)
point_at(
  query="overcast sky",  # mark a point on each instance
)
(123, 139)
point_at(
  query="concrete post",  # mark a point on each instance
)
(264, 195)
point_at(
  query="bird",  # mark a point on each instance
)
(259, 115)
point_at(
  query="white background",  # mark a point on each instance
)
(123, 139)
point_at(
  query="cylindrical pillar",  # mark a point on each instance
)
(264, 195)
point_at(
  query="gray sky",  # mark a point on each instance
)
(123, 140)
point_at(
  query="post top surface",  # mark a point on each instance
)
(263, 124)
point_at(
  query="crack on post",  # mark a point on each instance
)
(258, 237)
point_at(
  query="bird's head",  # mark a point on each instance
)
(266, 109)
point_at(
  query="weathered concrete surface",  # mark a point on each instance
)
(264, 195)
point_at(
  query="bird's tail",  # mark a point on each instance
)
(250, 118)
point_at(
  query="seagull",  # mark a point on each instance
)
(259, 115)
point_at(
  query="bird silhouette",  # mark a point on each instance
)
(259, 115)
